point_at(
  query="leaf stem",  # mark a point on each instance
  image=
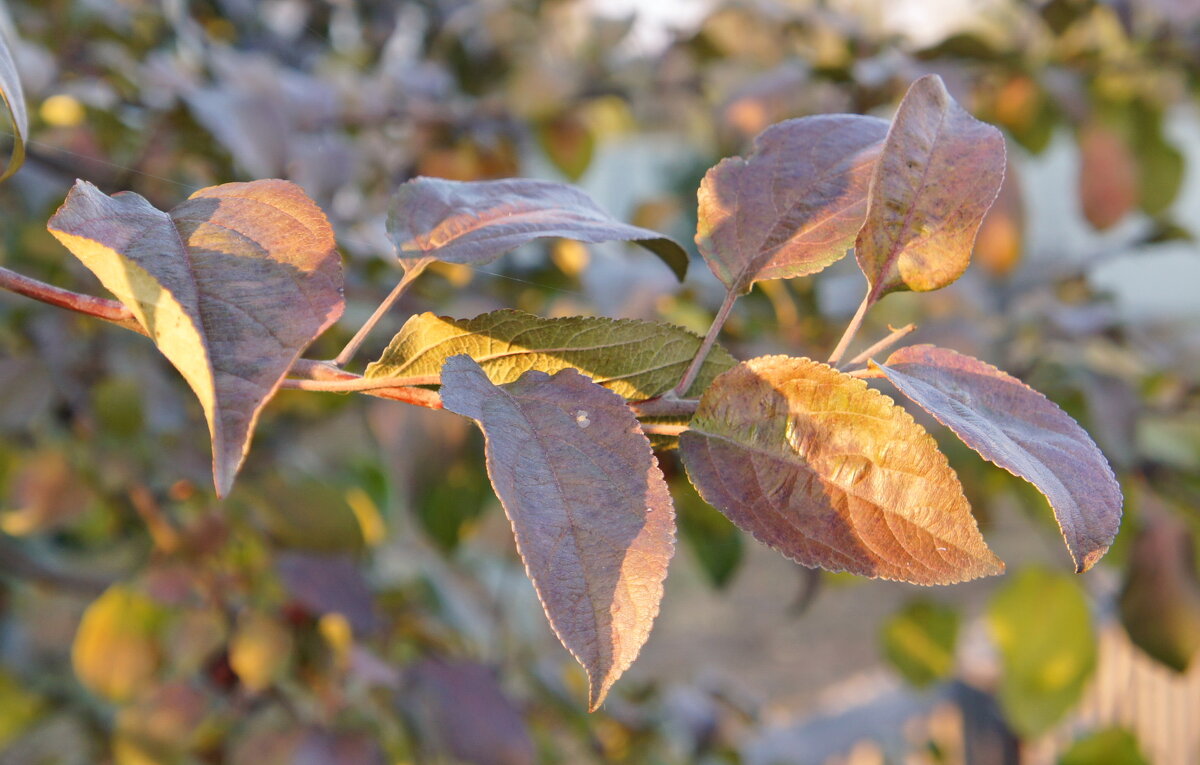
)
(689, 375)
(885, 343)
(352, 347)
(851, 330)
(89, 305)
(351, 385)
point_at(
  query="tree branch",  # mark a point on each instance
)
(89, 305)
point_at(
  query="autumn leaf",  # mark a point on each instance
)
(14, 101)
(938, 173)
(833, 474)
(232, 286)
(117, 651)
(1108, 177)
(794, 205)
(588, 505)
(476, 222)
(634, 359)
(1010, 424)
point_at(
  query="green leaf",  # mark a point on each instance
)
(634, 359)
(1042, 627)
(1160, 601)
(232, 286)
(919, 641)
(794, 205)
(833, 474)
(589, 508)
(716, 543)
(476, 222)
(569, 143)
(1112, 746)
(939, 172)
(14, 101)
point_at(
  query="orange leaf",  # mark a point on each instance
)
(831, 473)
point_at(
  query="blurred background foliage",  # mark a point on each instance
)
(358, 598)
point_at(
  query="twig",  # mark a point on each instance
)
(351, 385)
(361, 335)
(166, 537)
(884, 344)
(689, 375)
(100, 308)
(851, 330)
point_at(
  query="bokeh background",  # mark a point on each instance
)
(358, 599)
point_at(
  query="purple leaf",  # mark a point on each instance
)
(478, 221)
(1010, 424)
(588, 504)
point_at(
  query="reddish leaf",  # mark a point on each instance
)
(459, 710)
(1108, 177)
(1001, 237)
(1012, 425)
(232, 285)
(794, 205)
(588, 504)
(478, 221)
(938, 174)
(326, 584)
(831, 473)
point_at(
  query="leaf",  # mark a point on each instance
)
(14, 102)
(714, 541)
(232, 285)
(1108, 177)
(259, 650)
(1160, 601)
(1013, 426)
(833, 474)
(938, 173)
(794, 205)
(476, 222)
(116, 652)
(568, 142)
(634, 359)
(1041, 625)
(1001, 237)
(328, 584)
(588, 504)
(919, 641)
(1111, 746)
(459, 710)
